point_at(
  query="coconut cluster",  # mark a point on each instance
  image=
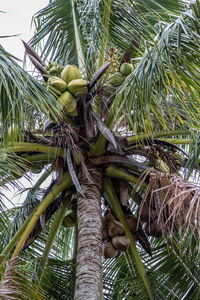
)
(118, 78)
(114, 240)
(69, 86)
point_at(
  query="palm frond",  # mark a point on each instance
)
(17, 285)
(55, 22)
(59, 274)
(160, 73)
(17, 87)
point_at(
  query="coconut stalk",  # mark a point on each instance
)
(120, 173)
(159, 134)
(33, 147)
(55, 191)
(19, 232)
(117, 210)
(89, 249)
(54, 229)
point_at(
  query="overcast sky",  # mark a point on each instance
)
(17, 20)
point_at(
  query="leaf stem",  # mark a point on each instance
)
(54, 229)
(140, 137)
(33, 147)
(115, 172)
(57, 189)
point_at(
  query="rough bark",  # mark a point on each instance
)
(89, 251)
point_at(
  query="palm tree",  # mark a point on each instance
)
(120, 155)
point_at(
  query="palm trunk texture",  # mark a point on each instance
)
(89, 251)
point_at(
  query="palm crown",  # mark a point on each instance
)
(113, 114)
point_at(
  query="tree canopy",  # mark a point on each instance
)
(110, 117)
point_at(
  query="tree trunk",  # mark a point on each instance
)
(89, 251)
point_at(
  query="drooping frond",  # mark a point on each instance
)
(17, 88)
(152, 90)
(60, 274)
(15, 284)
(175, 201)
(55, 22)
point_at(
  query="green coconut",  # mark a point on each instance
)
(36, 169)
(77, 86)
(74, 113)
(117, 79)
(67, 101)
(57, 83)
(126, 69)
(69, 221)
(70, 72)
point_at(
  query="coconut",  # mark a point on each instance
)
(67, 101)
(36, 169)
(69, 221)
(132, 223)
(115, 228)
(109, 217)
(126, 69)
(74, 113)
(105, 233)
(117, 79)
(153, 229)
(104, 230)
(146, 214)
(57, 83)
(121, 243)
(108, 250)
(70, 72)
(77, 86)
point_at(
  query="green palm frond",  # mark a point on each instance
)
(160, 72)
(56, 23)
(172, 272)
(59, 274)
(16, 88)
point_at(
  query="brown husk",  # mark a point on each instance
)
(115, 228)
(108, 250)
(132, 223)
(121, 243)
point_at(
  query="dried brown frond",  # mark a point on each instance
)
(17, 284)
(175, 201)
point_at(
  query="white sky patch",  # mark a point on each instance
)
(17, 20)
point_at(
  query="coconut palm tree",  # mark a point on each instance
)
(110, 122)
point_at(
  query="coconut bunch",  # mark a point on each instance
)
(115, 241)
(118, 78)
(69, 86)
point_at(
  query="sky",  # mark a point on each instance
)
(16, 19)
